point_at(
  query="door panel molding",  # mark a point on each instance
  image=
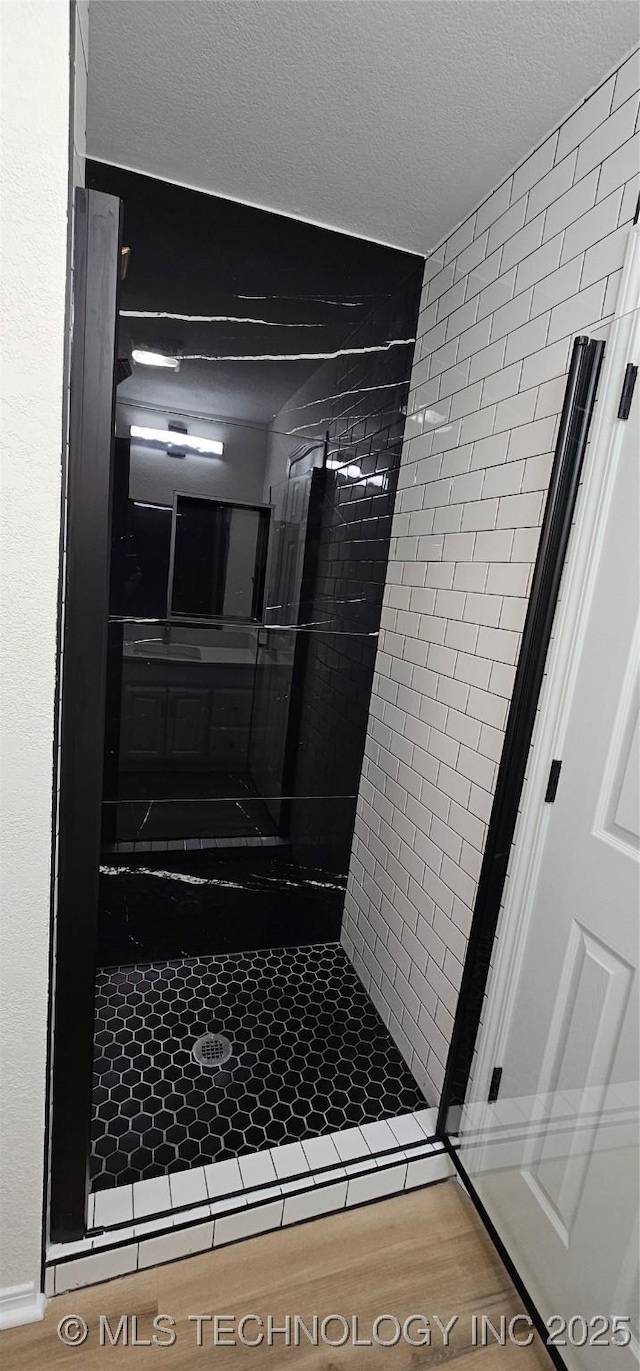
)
(586, 955)
(616, 819)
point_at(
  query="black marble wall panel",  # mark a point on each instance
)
(234, 749)
(364, 427)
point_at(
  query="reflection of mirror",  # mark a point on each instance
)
(219, 558)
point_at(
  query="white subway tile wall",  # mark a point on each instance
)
(503, 298)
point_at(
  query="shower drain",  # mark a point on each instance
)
(212, 1049)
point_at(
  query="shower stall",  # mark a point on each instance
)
(241, 522)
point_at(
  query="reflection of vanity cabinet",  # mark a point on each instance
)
(185, 715)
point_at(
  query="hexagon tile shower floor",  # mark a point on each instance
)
(310, 1055)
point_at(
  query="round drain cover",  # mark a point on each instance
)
(211, 1050)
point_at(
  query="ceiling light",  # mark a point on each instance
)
(164, 437)
(146, 358)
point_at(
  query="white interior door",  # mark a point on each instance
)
(557, 1166)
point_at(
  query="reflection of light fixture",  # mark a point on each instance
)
(146, 358)
(162, 437)
(425, 416)
(431, 416)
(353, 472)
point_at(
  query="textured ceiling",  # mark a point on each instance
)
(385, 118)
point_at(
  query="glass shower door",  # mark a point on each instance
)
(278, 655)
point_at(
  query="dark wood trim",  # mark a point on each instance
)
(586, 361)
(82, 683)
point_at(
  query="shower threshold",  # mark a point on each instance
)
(312, 1110)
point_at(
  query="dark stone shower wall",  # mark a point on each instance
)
(365, 430)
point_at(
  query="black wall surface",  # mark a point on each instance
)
(365, 429)
(261, 811)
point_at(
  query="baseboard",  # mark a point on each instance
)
(21, 1304)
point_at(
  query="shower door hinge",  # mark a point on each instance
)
(494, 1086)
(552, 783)
(628, 387)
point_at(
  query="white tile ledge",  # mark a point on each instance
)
(234, 1199)
(182, 1190)
(226, 1202)
(271, 1208)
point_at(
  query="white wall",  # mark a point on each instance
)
(34, 167)
(504, 295)
(237, 475)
